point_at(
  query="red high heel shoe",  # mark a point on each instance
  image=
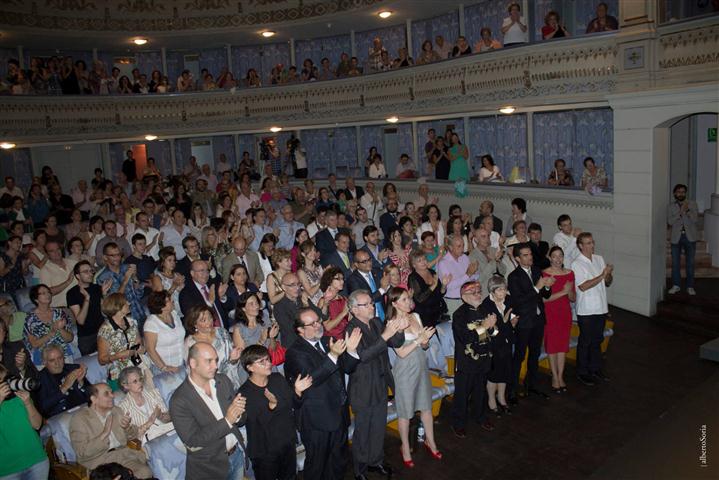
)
(407, 463)
(436, 455)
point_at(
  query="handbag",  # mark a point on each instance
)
(277, 354)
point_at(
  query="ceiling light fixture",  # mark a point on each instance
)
(268, 33)
(393, 119)
(150, 138)
(140, 41)
(275, 129)
(384, 14)
(507, 110)
(7, 145)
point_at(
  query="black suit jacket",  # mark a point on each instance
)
(377, 266)
(323, 406)
(184, 266)
(370, 380)
(333, 258)
(359, 190)
(191, 296)
(525, 299)
(496, 223)
(325, 242)
(464, 339)
(356, 281)
(386, 221)
(202, 434)
(539, 254)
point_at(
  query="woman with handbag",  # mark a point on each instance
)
(119, 344)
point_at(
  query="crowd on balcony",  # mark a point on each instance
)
(64, 75)
(259, 295)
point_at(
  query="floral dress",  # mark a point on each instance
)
(314, 276)
(119, 340)
(37, 328)
(402, 263)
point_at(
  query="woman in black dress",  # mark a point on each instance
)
(499, 303)
(440, 160)
(270, 423)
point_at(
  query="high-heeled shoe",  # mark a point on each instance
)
(506, 409)
(496, 411)
(436, 455)
(407, 463)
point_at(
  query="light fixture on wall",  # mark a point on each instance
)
(275, 129)
(392, 119)
(150, 138)
(7, 145)
(140, 41)
(384, 14)
(268, 33)
(507, 110)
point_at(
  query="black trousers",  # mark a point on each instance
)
(470, 386)
(281, 465)
(589, 344)
(326, 454)
(301, 173)
(528, 338)
(368, 436)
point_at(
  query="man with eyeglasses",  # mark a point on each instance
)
(84, 301)
(369, 382)
(123, 279)
(285, 311)
(199, 289)
(364, 277)
(471, 326)
(323, 413)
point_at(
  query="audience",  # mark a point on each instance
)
(62, 386)
(514, 27)
(552, 28)
(164, 334)
(46, 325)
(145, 407)
(119, 343)
(602, 22)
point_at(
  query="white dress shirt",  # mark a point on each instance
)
(592, 301)
(214, 405)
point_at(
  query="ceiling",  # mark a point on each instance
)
(47, 40)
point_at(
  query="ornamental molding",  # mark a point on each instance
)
(689, 47)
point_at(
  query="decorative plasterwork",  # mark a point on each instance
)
(697, 46)
(165, 15)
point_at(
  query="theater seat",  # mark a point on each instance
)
(59, 426)
(166, 383)
(96, 373)
(167, 456)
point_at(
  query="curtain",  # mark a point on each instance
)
(147, 62)
(445, 25)
(175, 66)
(488, 13)
(244, 58)
(183, 152)
(16, 163)
(392, 39)
(573, 136)
(586, 10)
(504, 137)
(318, 48)
(160, 151)
(271, 55)
(223, 144)
(318, 146)
(214, 60)
(541, 8)
(439, 127)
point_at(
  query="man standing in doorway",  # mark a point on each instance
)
(682, 217)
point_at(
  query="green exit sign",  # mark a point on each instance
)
(711, 134)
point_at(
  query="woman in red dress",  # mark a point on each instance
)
(333, 304)
(559, 316)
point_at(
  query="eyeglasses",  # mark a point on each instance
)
(265, 361)
(312, 324)
(293, 285)
(112, 254)
(364, 261)
(87, 271)
(363, 304)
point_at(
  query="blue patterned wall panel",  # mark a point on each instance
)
(488, 13)
(223, 144)
(149, 61)
(445, 25)
(16, 163)
(160, 151)
(392, 39)
(504, 137)
(316, 49)
(214, 60)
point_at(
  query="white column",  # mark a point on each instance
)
(293, 59)
(163, 54)
(238, 154)
(352, 43)
(410, 53)
(461, 19)
(360, 153)
(415, 150)
(228, 47)
(173, 154)
(20, 56)
(530, 146)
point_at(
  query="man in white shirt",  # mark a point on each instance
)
(405, 168)
(206, 414)
(174, 232)
(318, 224)
(246, 200)
(57, 274)
(11, 189)
(444, 48)
(152, 235)
(361, 221)
(372, 202)
(209, 177)
(81, 198)
(566, 238)
(223, 165)
(592, 277)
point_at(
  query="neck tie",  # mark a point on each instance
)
(373, 287)
(215, 316)
(529, 272)
(241, 261)
(318, 347)
(345, 259)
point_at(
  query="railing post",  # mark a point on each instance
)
(293, 59)
(353, 47)
(20, 56)
(163, 54)
(461, 19)
(410, 53)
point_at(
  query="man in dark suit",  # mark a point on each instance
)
(325, 239)
(389, 218)
(363, 278)
(379, 256)
(486, 209)
(206, 414)
(369, 383)
(198, 291)
(285, 311)
(471, 326)
(353, 192)
(323, 414)
(539, 247)
(191, 246)
(528, 287)
(340, 256)
(333, 187)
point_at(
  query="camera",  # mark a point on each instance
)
(22, 384)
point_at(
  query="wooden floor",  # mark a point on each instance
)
(654, 369)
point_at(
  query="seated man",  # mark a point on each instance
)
(100, 431)
(62, 387)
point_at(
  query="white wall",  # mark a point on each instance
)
(705, 156)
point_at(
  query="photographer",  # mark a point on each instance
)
(21, 451)
(297, 156)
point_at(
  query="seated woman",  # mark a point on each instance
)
(46, 326)
(560, 175)
(489, 171)
(271, 427)
(164, 334)
(377, 169)
(238, 285)
(486, 43)
(593, 178)
(144, 406)
(333, 304)
(552, 28)
(119, 343)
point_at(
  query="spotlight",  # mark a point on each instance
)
(384, 14)
(507, 110)
(140, 41)
(393, 119)
(150, 138)
(275, 129)
(268, 33)
(7, 145)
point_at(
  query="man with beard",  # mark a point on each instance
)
(682, 217)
